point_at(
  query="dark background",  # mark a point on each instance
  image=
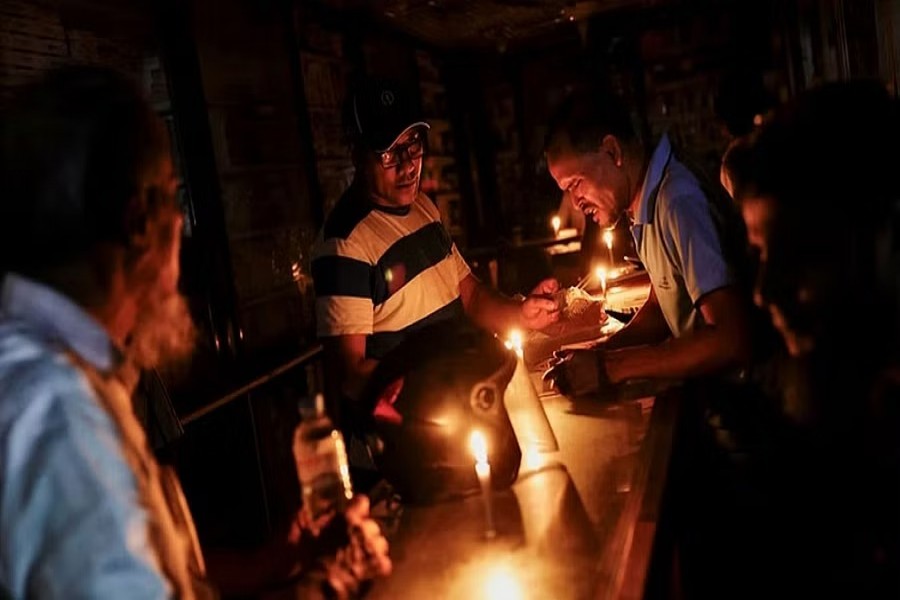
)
(251, 91)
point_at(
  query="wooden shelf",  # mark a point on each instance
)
(261, 106)
(252, 234)
(280, 291)
(688, 82)
(333, 160)
(440, 158)
(435, 86)
(323, 56)
(241, 170)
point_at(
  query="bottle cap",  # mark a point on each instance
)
(312, 408)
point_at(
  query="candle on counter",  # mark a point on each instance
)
(524, 407)
(478, 444)
(502, 580)
(608, 240)
(556, 223)
(601, 276)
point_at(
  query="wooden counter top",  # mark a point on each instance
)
(581, 525)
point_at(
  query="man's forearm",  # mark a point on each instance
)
(647, 326)
(702, 352)
(493, 311)
(356, 377)
(348, 370)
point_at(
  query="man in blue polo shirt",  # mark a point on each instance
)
(695, 320)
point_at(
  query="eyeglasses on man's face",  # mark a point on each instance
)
(412, 149)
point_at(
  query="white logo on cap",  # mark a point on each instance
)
(387, 97)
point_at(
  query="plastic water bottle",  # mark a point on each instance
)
(321, 459)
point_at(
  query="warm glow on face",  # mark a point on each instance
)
(608, 238)
(501, 582)
(478, 444)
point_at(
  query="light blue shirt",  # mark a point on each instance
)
(676, 239)
(70, 522)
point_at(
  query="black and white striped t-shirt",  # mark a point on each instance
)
(384, 272)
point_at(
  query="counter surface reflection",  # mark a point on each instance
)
(578, 523)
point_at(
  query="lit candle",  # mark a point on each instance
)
(608, 240)
(556, 222)
(483, 469)
(601, 275)
(514, 342)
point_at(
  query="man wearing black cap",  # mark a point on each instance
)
(384, 266)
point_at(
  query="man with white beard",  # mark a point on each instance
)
(89, 242)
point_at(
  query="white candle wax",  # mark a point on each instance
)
(484, 478)
(601, 275)
(483, 470)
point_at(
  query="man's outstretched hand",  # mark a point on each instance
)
(575, 372)
(540, 309)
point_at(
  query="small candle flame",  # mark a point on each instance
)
(501, 581)
(608, 238)
(514, 341)
(556, 223)
(478, 444)
(601, 274)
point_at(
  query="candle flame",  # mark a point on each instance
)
(600, 272)
(556, 223)
(478, 444)
(501, 582)
(514, 341)
(608, 238)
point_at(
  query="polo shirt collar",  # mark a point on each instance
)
(643, 213)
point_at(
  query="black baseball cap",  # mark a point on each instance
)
(379, 111)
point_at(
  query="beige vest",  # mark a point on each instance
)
(170, 527)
